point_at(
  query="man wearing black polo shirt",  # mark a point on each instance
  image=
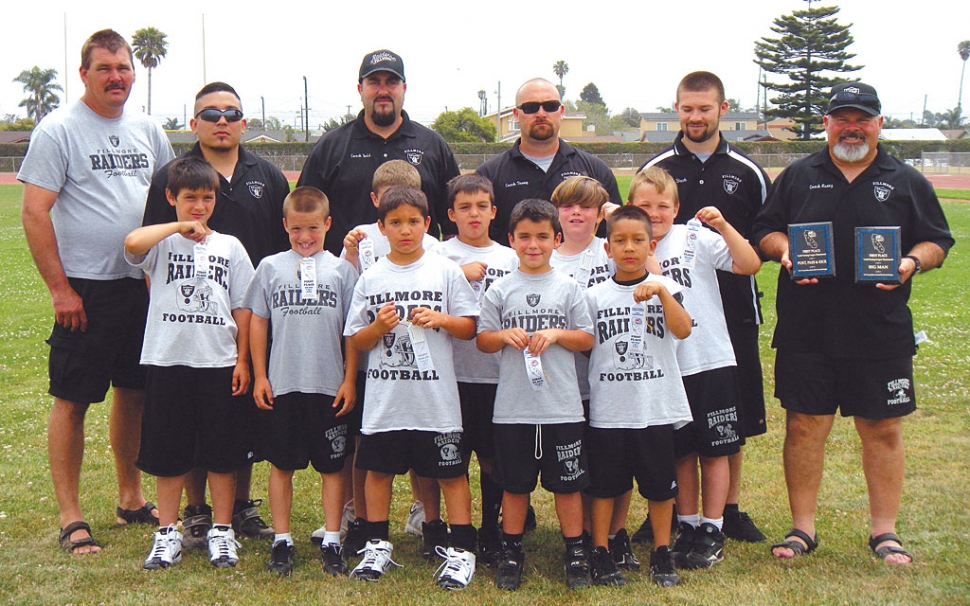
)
(711, 172)
(250, 207)
(844, 345)
(539, 160)
(343, 162)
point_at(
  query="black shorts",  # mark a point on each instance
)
(617, 456)
(477, 407)
(523, 451)
(82, 365)
(744, 339)
(303, 429)
(183, 425)
(428, 453)
(715, 430)
(816, 384)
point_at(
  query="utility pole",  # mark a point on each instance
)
(306, 123)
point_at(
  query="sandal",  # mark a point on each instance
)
(137, 516)
(884, 552)
(68, 545)
(797, 548)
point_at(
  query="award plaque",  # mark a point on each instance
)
(811, 250)
(877, 254)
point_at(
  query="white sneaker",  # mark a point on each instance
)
(458, 568)
(346, 517)
(166, 551)
(222, 548)
(415, 519)
(377, 560)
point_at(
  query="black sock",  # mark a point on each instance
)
(378, 530)
(491, 500)
(513, 542)
(579, 541)
(463, 536)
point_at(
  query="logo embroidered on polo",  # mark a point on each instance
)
(881, 190)
(414, 156)
(731, 185)
(256, 189)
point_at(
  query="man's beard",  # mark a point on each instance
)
(850, 153)
(709, 132)
(542, 131)
(384, 119)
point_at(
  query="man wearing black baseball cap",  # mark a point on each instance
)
(847, 345)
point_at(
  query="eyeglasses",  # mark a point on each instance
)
(849, 97)
(531, 107)
(211, 114)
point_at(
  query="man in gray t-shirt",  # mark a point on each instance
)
(86, 177)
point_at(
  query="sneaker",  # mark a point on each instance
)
(415, 523)
(622, 552)
(576, 561)
(377, 560)
(356, 536)
(435, 535)
(196, 524)
(281, 558)
(490, 546)
(509, 573)
(604, 570)
(684, 543)
(222, 548)
(333, 559)
(167, 549)
(246, 521)
(708, 547)
(644, 534)
(457, 570)
(739, 526)
(662, 571)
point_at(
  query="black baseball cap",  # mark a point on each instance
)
(854, 94)
(382, 61)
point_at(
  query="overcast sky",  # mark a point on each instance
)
(635, 52)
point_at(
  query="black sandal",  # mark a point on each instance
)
(888, 550)
(68, 545)
(137, 516)
(797, 548)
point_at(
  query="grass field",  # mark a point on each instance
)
(934, 521)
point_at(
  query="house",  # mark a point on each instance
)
(508, 128)
(912, 134)
(660, 122)
(14, 136)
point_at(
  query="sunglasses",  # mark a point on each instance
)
(532, 107)
(211, 114)
(847, 97)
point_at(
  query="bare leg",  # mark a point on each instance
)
(688, 484)
(661, 513)
(602, 514)
(169, 497)
(458, 498)
(621, 507)
(378, 488)
(428, 492)
(883, 462)
(222, 487)
(281, 498)
(195, 486)
(569, 509)
(244, 480)
(514, 507)
(715, 477)
(332, 491)
(125, 435)
(65, 450)
(734, 488)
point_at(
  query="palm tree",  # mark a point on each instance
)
(964, 49)
(561, 68)
(150, 48)
(39, 84)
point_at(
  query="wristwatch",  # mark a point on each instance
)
(915, 261)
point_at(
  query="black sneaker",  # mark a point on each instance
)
(739, 526)
(530, 519)
(576, 561)
(489, 546)
(662, 571)
(281, 558)
(622, 552)
(333, 559)
(708, 548)
(435, 535)
(196, 524)
(603, 569)
(684, 543)
(356, 536)
(509, 573)
(644, 534)
(246, 521)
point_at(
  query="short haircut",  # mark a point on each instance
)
(397, 196)
(659, 178)
(306, 199)
(537, 211)
(217, 87)
(698, 82)
(629, 213)
(191, 172)
(469, 184)
(395, 172)
(584, 191)
(109, 40)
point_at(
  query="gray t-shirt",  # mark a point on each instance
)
(307, 331)
(101, 169)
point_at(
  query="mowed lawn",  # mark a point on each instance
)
(934, 522)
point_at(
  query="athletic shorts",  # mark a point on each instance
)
(302, 429)
(617, 456)
(82, 365)
(430, 454)
(817, 384)
(477, 406)
(715, 430)
(183, 425)
(744, 339)
(523, 452)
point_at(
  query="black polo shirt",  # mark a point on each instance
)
(343, 162)
(734, 184)
(838, 317)
(250, 207)
(516, 178)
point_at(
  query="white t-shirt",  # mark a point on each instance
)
(399, 394)
(381, 245)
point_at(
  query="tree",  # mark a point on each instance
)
(273, 123)
(591, 94)
(561, 68)
(964, 49)
(172, 124)
(332, 123)
(12, 123)
(463, 126)
(810, 43)
(952, 119)
(150, 48)
(40, 85)
(630, 117)
(482, 103)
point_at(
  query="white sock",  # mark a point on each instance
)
(694, 520)
(719, 522)
(283, 537)
(331, 537)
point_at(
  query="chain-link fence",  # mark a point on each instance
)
(10, 165)
(945, 163)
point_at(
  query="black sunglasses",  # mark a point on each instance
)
(211, 114)
(847, 97)
(531, 107)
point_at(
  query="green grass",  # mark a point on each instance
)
(934, 520)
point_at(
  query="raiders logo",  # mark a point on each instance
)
(398, 352)
(851, 89)
(624, 359)
(731, 185)
(414, 156)
(339, 444)
(196, 298)
(114, 140)
(567, 174)
(572, 466)
(532, 300)
(449, 452)
(881, 192)
(256, 189)
(382, 56)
